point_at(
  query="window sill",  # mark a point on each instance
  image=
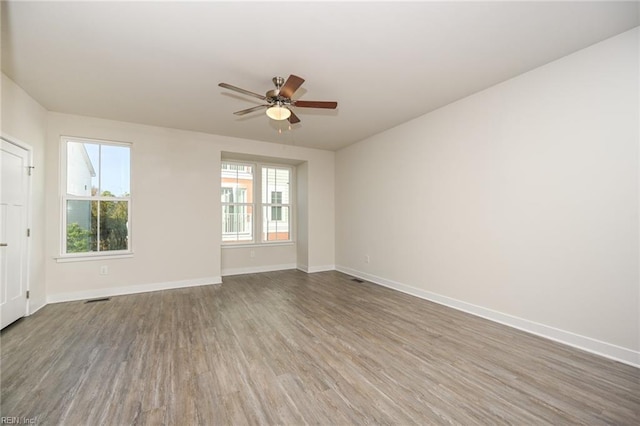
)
(250, 245)
(86, 258)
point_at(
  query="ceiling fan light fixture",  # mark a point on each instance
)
(278, 112)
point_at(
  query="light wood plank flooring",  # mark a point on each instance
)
(291, 348)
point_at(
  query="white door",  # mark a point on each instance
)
(14, 187)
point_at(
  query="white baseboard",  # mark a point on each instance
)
(141, 288)
(314, 269)
(257, 269)
(608, 350)
(34, 309)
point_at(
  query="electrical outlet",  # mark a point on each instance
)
(366, 259)
(252, 254)
(104, 270)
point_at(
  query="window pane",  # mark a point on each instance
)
(238, 177)
(82, 168)
(94, 169)
(114, 225)
(81, 229)
(237, 223)
(82, 226)
(275, 180)
(275, 223)
(114, 171)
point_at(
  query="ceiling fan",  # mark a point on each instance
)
(278, 100)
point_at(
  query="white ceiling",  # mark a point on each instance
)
(159, 63)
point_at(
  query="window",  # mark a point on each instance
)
(275, 190)
(239, 224)
(237, 202)
(96, 200)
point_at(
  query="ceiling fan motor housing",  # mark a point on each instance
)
(274, 95)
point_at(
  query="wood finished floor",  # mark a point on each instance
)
(291, 348)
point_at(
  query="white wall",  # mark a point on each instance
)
(302, 222)
(260, 258)
(321, 214)
(519, 203)
(176, 212)
(25, 120)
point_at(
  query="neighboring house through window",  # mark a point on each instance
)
(276, 182)
(237, 202)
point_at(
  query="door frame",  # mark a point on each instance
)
(20, 144)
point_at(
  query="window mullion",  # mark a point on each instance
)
(97, 200)
(98, 211)
(257, 201)
(64, 232)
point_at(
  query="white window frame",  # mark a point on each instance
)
(64, 197)
(258, 204)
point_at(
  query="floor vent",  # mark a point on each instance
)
(100, 299)
(358, 280)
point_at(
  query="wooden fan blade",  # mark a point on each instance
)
(290, 86)
(316, 104)
(248, 110)
(293, 119)
(239, 90)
